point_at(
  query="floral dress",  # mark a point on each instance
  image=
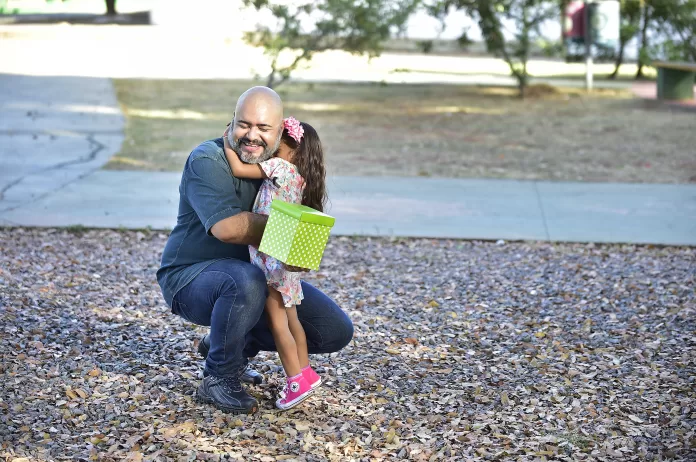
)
(285, 183)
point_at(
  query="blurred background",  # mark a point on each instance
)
(465, 88)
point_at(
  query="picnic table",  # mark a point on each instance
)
(675, 80)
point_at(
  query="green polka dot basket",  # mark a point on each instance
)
(296, 234)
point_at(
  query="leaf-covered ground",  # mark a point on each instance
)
(462, 351)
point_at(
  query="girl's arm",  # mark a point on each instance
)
(239, 168)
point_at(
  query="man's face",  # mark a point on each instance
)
(255, 132)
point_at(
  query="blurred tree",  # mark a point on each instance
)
(302, 30)
(524, 17)
(630, 24)
(111, 7)
(668, 32)
(646, 18)
(674, 23)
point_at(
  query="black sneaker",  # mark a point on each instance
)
(249, 375)
(227, 394)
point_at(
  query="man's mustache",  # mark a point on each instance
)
(246, 140)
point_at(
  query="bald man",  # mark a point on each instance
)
(205, 275)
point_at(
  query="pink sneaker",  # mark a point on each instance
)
(312, 377)
(296, 390)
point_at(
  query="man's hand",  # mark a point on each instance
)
(245, 228)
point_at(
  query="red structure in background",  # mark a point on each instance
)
(573, 27)
(574, 24)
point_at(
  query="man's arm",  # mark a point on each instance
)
(245, 228)
(239, 168)
(211, 192)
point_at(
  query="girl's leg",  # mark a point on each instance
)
(301, 341)
(282, 334)
(300, 338)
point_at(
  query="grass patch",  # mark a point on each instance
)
(428, 130)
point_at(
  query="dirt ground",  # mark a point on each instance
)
(463, 351)
(430, 130)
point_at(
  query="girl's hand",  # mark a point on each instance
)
(295, 269)
(224, 136)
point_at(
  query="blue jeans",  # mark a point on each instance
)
(230, 295)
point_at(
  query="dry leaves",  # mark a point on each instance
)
(462, 351)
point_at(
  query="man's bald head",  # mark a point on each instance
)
(262, 96)
(257, 125)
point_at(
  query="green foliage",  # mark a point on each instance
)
(525, 17)
(357, 27)
(426, 46)
(464, 41)
(630, 19)
(675, 26)
(668, 31)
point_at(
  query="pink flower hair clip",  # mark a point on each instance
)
(294, 128)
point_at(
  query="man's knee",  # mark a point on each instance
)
(245, 287)
(341, 335)
(346, 334)
(252, 289)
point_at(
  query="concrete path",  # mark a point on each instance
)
(53, 130)
(414, 207)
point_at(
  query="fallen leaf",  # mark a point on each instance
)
(134, 456)
(302, 426)
(504, 398)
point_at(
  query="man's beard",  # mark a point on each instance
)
(248, 158)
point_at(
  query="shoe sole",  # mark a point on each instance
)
(227, 410)
(316, 384)
(295, 402)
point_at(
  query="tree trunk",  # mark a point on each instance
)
(270, 81)
(563, 4)
(111, 7)
(643, 41)
(619, 59)
(524, 55)
(522, 86)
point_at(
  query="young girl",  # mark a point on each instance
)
(295, 175)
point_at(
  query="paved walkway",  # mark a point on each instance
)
(53, 131)
(56, 133)
(474, 209)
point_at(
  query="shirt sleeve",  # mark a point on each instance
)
(211, 191)
(278, 171)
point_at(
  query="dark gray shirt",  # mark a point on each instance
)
(208, 193)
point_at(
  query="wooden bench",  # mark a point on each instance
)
(675, 81)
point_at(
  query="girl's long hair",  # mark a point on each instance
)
(309, 160)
